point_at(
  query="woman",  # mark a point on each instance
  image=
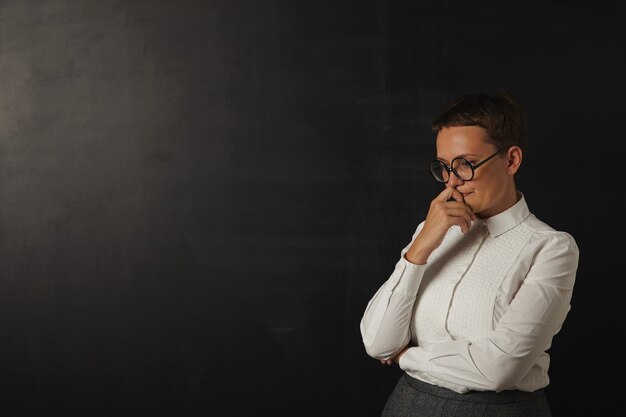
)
(483, 286)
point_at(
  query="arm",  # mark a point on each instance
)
(385, 323)
(522, 334)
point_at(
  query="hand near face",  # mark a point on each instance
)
(446, 210)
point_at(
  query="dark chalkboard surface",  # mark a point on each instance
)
(197, 199)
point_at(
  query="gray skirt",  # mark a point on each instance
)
(414, 398)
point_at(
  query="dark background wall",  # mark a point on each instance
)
(197, 199)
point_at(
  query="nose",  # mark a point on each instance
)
(454, 181)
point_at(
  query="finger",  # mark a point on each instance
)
(460, 210)
(461, 218)
(464, 224)
(448, 194)
(465, 207)
(455, 195)
(459, 221)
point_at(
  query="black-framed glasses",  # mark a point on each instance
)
(461, 167)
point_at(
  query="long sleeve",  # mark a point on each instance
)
(385, 323)
(522, 335)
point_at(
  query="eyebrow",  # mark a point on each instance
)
(465, 155)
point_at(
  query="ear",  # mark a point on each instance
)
(514, 159)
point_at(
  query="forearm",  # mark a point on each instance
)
(502, 358)
(387, 318)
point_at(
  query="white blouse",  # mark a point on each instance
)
(481, 314)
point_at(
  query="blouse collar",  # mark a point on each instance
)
(509, 218)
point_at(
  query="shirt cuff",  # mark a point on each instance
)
(415, 359)
(410, 277)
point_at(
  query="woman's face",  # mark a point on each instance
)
(492, 190)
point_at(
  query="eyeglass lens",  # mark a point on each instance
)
(460, 166)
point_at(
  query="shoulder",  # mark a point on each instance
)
(546, 238)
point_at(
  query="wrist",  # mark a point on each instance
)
(417, 257)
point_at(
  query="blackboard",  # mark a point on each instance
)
(197, 199)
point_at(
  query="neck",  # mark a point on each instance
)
(508, 200)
